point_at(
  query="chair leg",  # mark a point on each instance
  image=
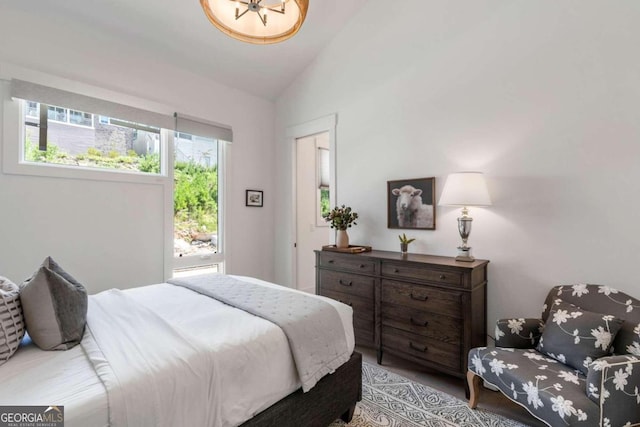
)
(474, 388)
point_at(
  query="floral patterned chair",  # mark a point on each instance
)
(577, 366)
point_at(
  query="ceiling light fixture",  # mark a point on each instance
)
(270, 21)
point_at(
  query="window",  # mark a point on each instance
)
(111, 144)
(57, 114)
(32, 109)
(68, 135)
(195, 197)
(184, 136)
(198, 199)
(80, 118)
(323, 180)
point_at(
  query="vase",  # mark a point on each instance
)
(342, 239)
(404, 248)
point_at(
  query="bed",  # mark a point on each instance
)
(239, 370)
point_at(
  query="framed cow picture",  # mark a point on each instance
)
(411, 203)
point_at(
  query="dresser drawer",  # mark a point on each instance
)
(350, 262)
(347, 283)
(429, 274)
(362, 307)
(434, 326)
(420, 347)
(424, 298)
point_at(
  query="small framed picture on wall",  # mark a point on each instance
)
(254, 198)
(410, 203)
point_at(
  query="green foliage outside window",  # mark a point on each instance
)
(93, 158)
(150, 163)
(51, 155)
(195, 201)
(324, 202)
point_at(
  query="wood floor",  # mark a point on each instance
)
(493, 401)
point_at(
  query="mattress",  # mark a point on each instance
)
(258, 365)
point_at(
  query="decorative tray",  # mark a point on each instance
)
(351, 249)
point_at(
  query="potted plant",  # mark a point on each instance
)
(404, 243)
(342, 218)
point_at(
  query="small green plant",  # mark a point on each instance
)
(92, 151)
(34, 154)
(404, 239)
(150, 163)
(404, 243)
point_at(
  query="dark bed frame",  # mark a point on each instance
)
(333, 397)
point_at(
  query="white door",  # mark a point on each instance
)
(312, 195)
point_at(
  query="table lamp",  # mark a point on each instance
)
(465, 189)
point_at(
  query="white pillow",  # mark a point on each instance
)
(11, 320)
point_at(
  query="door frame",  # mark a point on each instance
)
(323, 124)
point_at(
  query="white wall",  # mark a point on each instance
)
(543, 96)
(111, 234)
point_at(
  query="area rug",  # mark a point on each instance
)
(389, 400)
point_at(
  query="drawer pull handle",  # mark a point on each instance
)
(362, 265)
(416, 323)
(415, 347)
(343, 283)
(330, 261)
(418, 297)
(395, 270)
(350, 304)
(442, 277)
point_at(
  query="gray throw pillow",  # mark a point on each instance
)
(11, 320)
(577, 337)
(54, 306)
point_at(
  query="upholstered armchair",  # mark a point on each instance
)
(579, 365)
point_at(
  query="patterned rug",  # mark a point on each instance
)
(389, 400)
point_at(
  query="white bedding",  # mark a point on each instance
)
(256, 371)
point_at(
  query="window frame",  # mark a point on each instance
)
(14, 162)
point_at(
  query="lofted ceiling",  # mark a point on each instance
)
(177, 31)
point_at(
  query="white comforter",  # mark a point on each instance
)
(155, 373)
(252, 364)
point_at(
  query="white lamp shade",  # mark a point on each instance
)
(465, 189)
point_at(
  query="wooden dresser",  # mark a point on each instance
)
(428, 309)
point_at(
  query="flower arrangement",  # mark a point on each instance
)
(341, 218)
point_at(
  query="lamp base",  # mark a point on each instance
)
(464, 254)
